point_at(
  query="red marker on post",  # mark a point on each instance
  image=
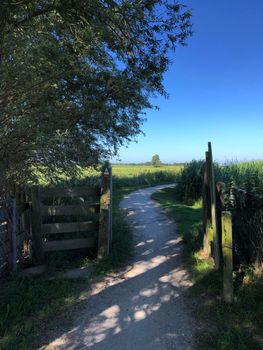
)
(106, 172)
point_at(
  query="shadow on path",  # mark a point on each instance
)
(143, 307)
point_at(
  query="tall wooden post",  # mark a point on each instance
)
(227, 256)
(37, 240)
(208, 237)
(104, 239)
(111, 203)
(12, 231)
(216, 251)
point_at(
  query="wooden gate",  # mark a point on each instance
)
(71, 218)
(35, 221)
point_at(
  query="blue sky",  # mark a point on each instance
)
(216, 89)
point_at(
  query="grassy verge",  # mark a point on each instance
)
(121, 237)
(28, 305)
(33, 306)
(226, 327)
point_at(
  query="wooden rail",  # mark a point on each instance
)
(70, 192)
(69, 244)
(56, 210)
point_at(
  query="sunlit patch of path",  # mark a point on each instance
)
(141, 308)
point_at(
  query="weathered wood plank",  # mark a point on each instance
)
(70, 210)
(227, 256)
(68, 227)
(70, 244)
(13, 255)
(70, 192)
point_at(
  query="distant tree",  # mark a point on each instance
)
(156, 160)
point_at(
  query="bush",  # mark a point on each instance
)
(190, 182)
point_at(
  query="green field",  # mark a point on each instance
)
(126, 170)
(124, 175)
(144, 175)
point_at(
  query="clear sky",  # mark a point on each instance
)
(216, 89)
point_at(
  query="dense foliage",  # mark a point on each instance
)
(243, 196)
(130, 176)
(190, 182)
(76, 76)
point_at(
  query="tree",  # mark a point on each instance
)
(75, 77)
(156, 160)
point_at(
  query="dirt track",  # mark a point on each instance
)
(141, 308)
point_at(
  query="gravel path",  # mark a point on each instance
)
(141, 308)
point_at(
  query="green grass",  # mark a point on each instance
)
(30, 305)
(123, 170)
(226, 327)
(189, 224)
(235, 326)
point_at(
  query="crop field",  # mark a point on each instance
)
(143, 175)
(247, 175)
(243, 175)
(123, 170)
(123, 176)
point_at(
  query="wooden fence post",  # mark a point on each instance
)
(12, 232)
(28, 225)
(111, 203)
(104, 239)
(208, 236)
(227, 256)
(37, 241)
(216, 251)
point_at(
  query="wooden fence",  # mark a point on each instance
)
(217, 242)
(45, 220)
(7, 234)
